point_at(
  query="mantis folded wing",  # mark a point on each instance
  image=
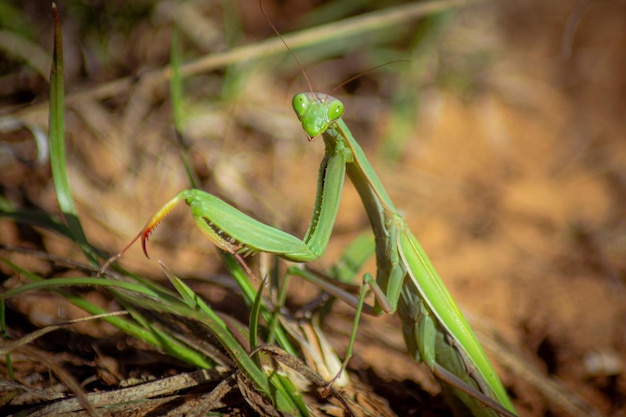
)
(434, 329)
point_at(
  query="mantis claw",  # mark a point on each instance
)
(145, 234)
(154, 221)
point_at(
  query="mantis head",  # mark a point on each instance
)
(315, 114)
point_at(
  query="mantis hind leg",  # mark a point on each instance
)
(387, 306)
(367, 278)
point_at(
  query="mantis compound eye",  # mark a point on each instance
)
(335, 111)
(300, 103)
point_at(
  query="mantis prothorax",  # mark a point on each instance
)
(434, 329)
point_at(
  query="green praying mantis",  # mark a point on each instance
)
(434, 328)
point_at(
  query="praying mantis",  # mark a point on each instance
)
(406, 283)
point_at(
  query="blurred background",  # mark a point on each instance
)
(497, 128)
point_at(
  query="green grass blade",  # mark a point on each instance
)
(352, 260)
(189, 296)
(199, 310)
(36, 218)
(254, 317)
(354, 257)
(158, 339)
(57, 142)
(249, 293)
(176, 97)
